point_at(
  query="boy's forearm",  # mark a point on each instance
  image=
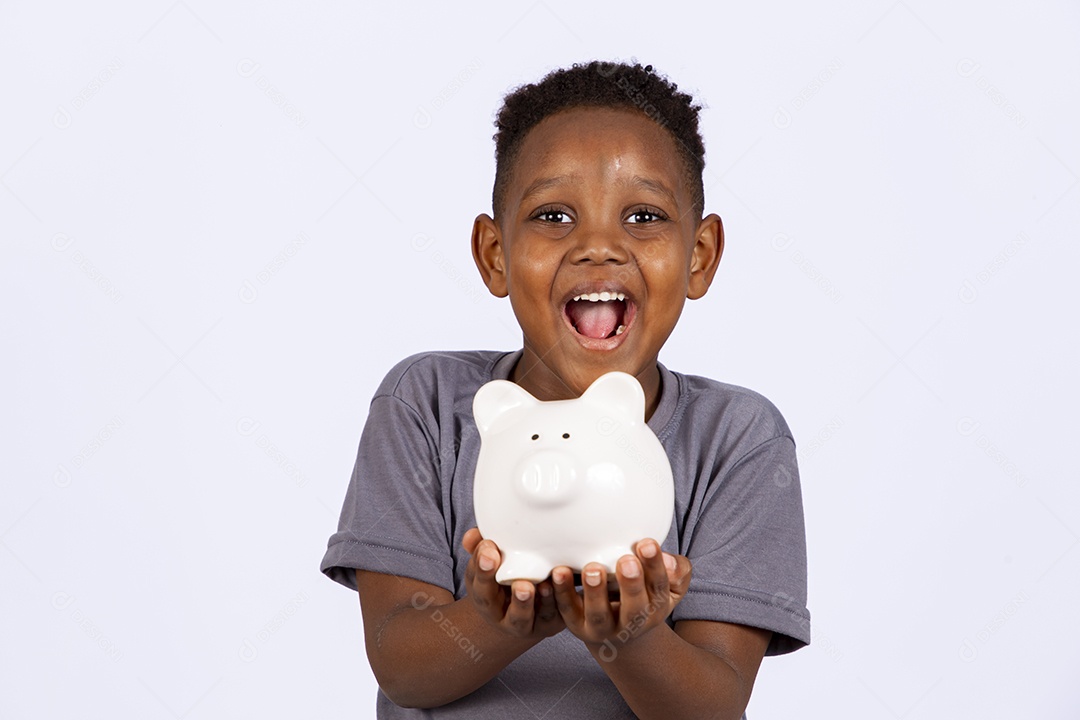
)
(433, 655)
(661, 675)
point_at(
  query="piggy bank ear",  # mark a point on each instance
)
(618, 393)
(497, 401)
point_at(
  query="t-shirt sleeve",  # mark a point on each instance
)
(392, 520)
(748, 549)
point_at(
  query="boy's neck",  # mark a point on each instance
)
(544, 384)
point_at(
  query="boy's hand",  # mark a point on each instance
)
(534, 615)
(651, 584)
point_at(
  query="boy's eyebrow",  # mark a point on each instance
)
(546, 183)
(636, 181)
(654, 185)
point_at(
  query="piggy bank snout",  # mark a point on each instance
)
(547, 477)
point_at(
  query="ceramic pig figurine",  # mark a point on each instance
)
(568, 482)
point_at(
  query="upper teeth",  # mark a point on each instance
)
(597, 297)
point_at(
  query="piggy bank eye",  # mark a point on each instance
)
(566, 436)
(535, 437)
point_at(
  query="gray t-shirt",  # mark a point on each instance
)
(738, 518)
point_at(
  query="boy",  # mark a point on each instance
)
(598, 237)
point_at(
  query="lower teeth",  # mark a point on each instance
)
(619, 330)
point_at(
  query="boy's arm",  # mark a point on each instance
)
(427, 649)
(701, 669)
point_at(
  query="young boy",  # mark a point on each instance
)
(598, 237)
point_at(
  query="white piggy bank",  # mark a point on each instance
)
(568, 482)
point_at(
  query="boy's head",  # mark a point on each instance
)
(601, 85)
(598, 237)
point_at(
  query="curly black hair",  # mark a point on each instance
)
(599, 84)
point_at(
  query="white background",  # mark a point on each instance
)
(221, 225)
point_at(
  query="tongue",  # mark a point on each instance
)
(594, 319)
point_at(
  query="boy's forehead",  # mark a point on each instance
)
(620, 146)
(583, 132)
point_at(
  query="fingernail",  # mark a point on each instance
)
(593, 577)
(486, 562)
(669, 560)
(630, 569)
(649, 549)
(545, 590)
(522, 594)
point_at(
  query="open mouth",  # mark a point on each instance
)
(600, 315)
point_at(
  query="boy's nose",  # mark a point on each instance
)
(599, 244)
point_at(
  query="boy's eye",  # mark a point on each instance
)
(644, 216)
(552, 215)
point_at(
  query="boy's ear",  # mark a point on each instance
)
(708, 247)
(487, 251)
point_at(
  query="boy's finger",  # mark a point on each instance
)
(599, 622)
(567, 599)
(486, 592)
(672, 567)
(519, 614)
(546, 610)
(679, 572)
(488, 557)
(632, 595)
(471, 539)
(656, 572)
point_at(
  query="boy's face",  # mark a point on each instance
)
(597, 202)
